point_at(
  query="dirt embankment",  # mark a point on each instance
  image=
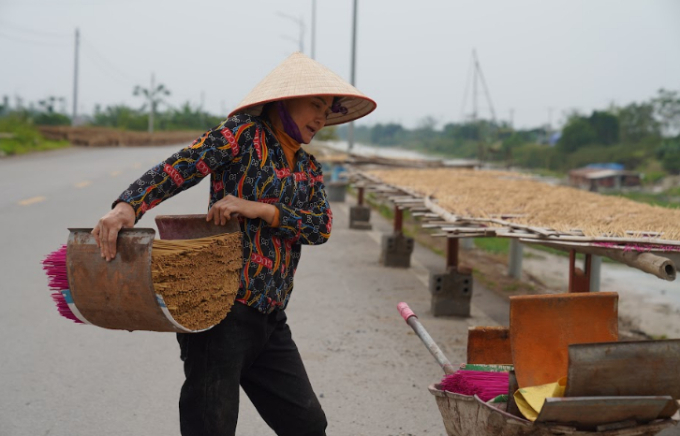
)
(104, 136)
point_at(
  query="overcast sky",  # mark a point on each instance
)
(413, 57)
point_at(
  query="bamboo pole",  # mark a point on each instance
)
(660, 266)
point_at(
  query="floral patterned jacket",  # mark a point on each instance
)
(243, 158)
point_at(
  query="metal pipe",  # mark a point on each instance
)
(595, 273)
(350, 128)
(579, 280)
(452, 253)
(515, 260)
(75, 79)
(398, 220)
(412, 320)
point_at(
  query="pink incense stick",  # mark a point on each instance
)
(486, 385)
(54, 265)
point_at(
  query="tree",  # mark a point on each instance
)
(119, 116)
(576, 133)
(154, 97)
(667, 109)
(606, 127)
(669, 155)
(637, 122)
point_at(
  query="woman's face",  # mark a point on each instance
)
(309, 113)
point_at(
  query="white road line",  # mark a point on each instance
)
(83, 184)
(32, 200)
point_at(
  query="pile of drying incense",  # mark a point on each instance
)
(198, 278)
(490, 194)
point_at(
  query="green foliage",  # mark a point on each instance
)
(576, 134)
(637, 122)
(493, 245)
(120, 117)
(669, 155)
(388, 134)
(21, 136)
(183, 118)
(667, 109)
(606, 127)
(532, 155)
(329, 133)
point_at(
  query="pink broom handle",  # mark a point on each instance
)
(412, 320)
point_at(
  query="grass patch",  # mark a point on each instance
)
(664, 199)
(20, 136)
(493, 245)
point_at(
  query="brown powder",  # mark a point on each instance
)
(198, 278)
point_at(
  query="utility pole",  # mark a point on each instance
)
(350, 128)
(300, 22)
(474, 85)
(152, 104)
(313, 29)
(75, 80)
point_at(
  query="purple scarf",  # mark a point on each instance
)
(289, 125)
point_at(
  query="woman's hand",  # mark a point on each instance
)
(230, 206)
(106, 230)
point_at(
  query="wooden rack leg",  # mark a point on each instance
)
(579, 280)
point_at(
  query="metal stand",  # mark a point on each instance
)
(397, 248)
(452, 290)
(515, 259)
(360, 215)
(335, 191)
(579, 279)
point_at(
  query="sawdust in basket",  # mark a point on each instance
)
(198, 278)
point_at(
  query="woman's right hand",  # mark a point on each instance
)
(106, 230)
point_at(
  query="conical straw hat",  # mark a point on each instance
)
(300, 76)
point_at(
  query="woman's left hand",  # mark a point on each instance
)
(230, 206)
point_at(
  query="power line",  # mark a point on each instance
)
(109, 65)
(28, 41)
(40, 33)
(97, 63)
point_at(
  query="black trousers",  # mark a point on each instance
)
(254, 351)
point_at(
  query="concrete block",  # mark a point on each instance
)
(360, 225)
(336, 191)
(359, 217)
(396, 250)
(451, 292)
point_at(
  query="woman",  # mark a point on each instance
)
(259, 173)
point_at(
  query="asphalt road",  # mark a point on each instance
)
(58, 378)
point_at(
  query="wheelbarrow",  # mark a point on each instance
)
(466, 415)
(120, 294)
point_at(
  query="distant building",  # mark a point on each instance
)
(597, 177)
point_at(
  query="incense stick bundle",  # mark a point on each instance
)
(197, 278)
(486, 385)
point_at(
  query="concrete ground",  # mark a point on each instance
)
(56, 378)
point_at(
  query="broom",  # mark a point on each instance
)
(485, 384)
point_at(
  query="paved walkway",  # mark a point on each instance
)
(61, 379)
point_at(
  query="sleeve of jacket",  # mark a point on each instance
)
(184, 169)
(312, 224)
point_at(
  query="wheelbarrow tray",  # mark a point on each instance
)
(465, 415)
